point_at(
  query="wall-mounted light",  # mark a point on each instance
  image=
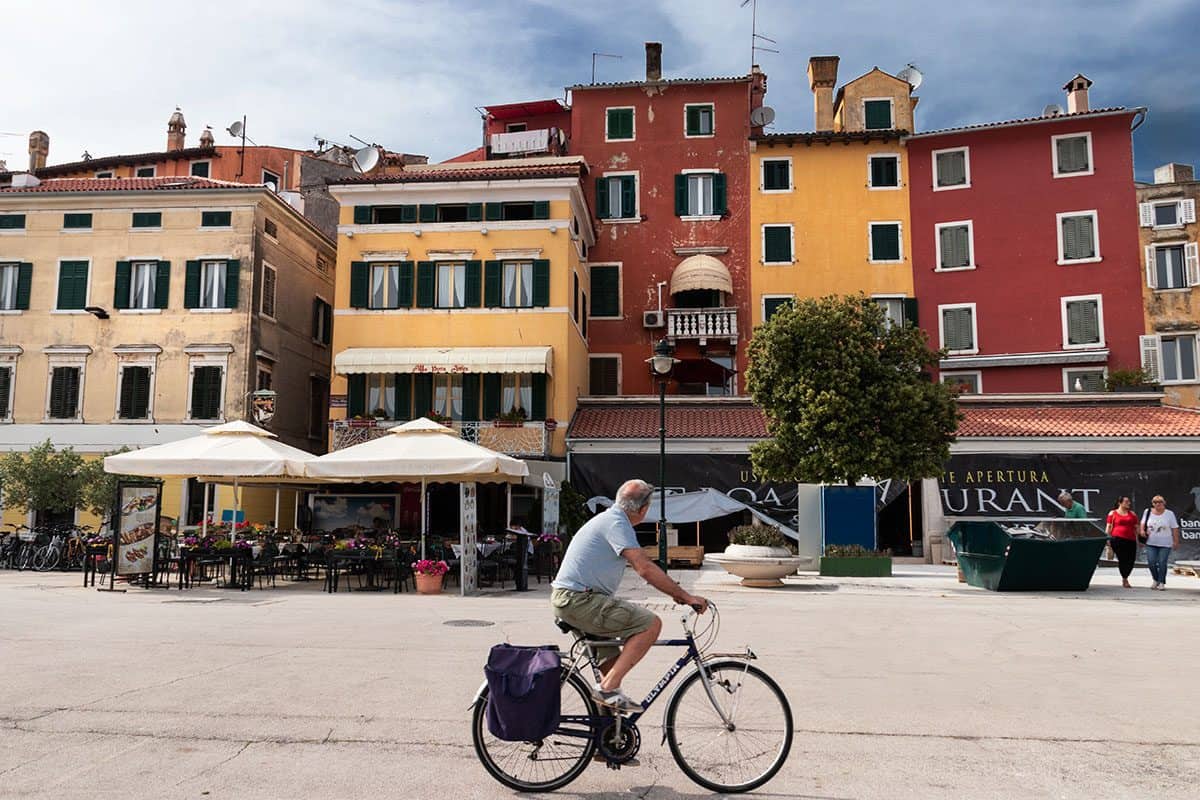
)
(483, 231)
(417, 232)
(554, 229)
(349, 234)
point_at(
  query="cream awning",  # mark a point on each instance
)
(450, 360)
(701, 272)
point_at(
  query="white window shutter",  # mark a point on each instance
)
(1151, 360)
(1146, 211)
(1187, 211)
(1151, 268)
(1191, 257)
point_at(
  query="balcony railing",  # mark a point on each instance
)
(702, 324)
(520, 439)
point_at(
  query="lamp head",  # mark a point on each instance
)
(663, 360)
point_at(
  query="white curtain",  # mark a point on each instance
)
(212, 293)
(508, 392)
(510, 284)
(8, 286)
(142, 285)
(527, 283)
(526, 381)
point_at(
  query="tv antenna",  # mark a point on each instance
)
(912, 76)
(237, 129)
(755, 36)
(600, 55)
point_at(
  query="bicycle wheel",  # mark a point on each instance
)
(546, 765)
(715, 757)
(45, 559)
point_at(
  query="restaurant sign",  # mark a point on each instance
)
(136, 530)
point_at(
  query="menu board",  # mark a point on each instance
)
(137, 526)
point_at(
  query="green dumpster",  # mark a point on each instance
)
(1014, 559)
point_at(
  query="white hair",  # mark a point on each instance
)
(633, 496)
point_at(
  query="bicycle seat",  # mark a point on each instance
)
(567, 627)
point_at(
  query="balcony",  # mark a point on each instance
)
(547, 141)
(702, 324)
(519, 439)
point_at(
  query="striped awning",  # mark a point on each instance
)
(446, 360)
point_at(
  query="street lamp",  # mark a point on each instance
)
(661, 364)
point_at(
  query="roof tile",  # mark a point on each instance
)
(124, 185)
(502, 171)
(692, 421)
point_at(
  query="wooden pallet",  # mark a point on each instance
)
(680, 555)
(1190, 571)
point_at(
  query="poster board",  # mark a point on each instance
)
(135, 534)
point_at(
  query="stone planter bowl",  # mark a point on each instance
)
(758, 566)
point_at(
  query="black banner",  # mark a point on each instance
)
(1012, 486)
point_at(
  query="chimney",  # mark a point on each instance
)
(176, 130)
(1077, 93)
(822, 77)
(206, 137)
(1174, 173)
(39, 149)
(653, 61)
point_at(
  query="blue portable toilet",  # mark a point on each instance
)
(848, 516)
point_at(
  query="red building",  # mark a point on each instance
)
(1025, 248)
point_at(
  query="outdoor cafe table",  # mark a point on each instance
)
(374, 565)
(485, 548)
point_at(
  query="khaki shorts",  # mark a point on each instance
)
(601, 615)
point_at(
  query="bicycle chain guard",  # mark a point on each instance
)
(619, 748)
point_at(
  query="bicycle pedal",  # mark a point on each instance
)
(613, 764)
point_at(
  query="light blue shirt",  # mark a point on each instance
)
(593, 559)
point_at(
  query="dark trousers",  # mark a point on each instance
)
(1125, 551)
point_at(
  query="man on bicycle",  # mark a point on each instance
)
(588, 578)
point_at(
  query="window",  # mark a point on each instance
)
(1078, 240)
(606, 290)
(951, 169)
(143, 276)
(777, 175)
(271, 229)
(271, 180)
(1072, 154)
(884, 172)
(604, 375)
(885, 242)
(145, 172)
(322, 321)
(448, 396)
(72, 285)
(698, 120)
(963, 382)
(64, 393)
(777, 244)
(455, 212)
(134, 400)
(216, 219)
(518, 284)
(12, 222)
(957, 328)
(318, 406)
(77, 221)
(772, 303)
(15, 280)
(388, 215)
(1083, 380)
(700, 195)
(212, 284)
(268, 291)
(877, 114)
(955, 245)
(618, 124)
(1178, 358)
(451, 285)
(1083, 321)
(147, 219)
(107, 173)
(616, 197)
(385, 285)
(516, 127)
(893, 309)
(207, 391)
(1170, 214)
(516, 393)
(381, 395)
(1171, 266)
(262, 381)
(6, 391)
(1166, 215)
(200, 169)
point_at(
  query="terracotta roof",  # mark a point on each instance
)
(124, 185)
(668, 82)
(1096, 112)
(478, 154)
(698, 420)
(502, 172)
(134, 158)
(1097, 420)
(830, 136)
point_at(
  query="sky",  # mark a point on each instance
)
(104, 75)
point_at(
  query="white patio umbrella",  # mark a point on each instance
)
(236, 450)
(421, 450)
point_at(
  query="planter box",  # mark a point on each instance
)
(871, 567)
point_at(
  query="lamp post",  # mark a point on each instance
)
(661, 364)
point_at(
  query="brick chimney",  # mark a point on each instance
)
(1174, 173)
(39, 149)
(822, 77)
(176, 130)
(653, 61)
(206, 137)
(1077, 93)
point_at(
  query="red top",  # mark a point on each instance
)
(1124, 526)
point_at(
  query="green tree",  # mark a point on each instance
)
(847, 395)
(42, 479)
(97, 488)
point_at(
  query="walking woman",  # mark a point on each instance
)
(1160, 532)
(1122, 531)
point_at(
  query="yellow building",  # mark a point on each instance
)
(136, 312)
(830, 212)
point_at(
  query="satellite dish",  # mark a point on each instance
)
(912, 76)
(366, 159)
(1052, 110)
(763, 115)
(236, 128)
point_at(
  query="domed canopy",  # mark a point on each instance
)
(701, 272)
(176, 120)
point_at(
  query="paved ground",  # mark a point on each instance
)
(913, 687)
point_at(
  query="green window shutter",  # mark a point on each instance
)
(541, 209)
(77, 221)
(619, 123)
(493, 212)
(121, 285)
(541, 282)
(72, 284)
(956, 329)
(428, 212)
(64, 393)
(206, 392)
(408, 213)
(884, 171)
(681, 196)
(720, 205)
(1083, 324)
(491, 395)
(356, 396)
(910, 311)
(1087, 239)
(422, 395)
(777, 244)
(539, 396)
(602, 198)
(191, 285)
(24, 284)
(12, 222)
(316, 319)
(1072, 154)
(628, 197)
(135, 392)
(606, 291)
(426, 280)
(232, 268)
(147, 219)
(885, 242)
(360, 284)
(493, 283)
(956, 249)
(773, 304)
(403, 395)
(775, 175)
(470, 389)
(878, 115)
(327, 333)
(216, 219)
(404, 287)
(5, 388)
(363, 215)
(473, 292)
(162, 285)
(1078, 238)
(474, 212)
(693, 120)
(951, 169)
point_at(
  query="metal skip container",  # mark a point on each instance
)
(1007, 556)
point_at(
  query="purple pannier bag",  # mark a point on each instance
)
(524, 685)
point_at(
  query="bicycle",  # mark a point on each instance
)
(724, 700)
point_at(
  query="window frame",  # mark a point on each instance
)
(204, 227)
(1154, 206)
(1058, 221)
(144, 228)
(712, 111)
(448, 379)
(395, 302)
(899, 241)
(700, 173)
(262, 292)
(637, 196)
(1099, 321)
(1067, 379)
(454, 266)
(518, 283)
(762, 304)
(933, 163)
(129, 306)
(618, 265)
(64, 363)
(618, 358)
(632, 128)
(16, 285)
(325, 322)
(153, 171)
(958, 373)
(762, 175)
(205, 360)
(105, 174)
(899, 298)
(222, 265)
(8, 361)
(870, 174)
(1195, 358)
(278, 179)
(78, 228)
(1091, 170)
(6, 231)
(891, 101)
(147, 361)
(1153, 251)
(87, 293)
(942, 308)
(207, 171)
(937, 245)
(791, 243)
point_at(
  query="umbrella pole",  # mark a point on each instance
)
(237, 511)
(422, 519)
(275, 522)
(204, 513)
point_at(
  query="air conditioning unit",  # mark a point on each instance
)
(652, 319)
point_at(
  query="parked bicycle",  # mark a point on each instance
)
(728, 724)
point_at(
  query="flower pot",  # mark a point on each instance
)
(761, 567)
(429, 584)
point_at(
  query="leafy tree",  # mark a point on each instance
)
(846, 395)
(572, 509)
(42, 479)
(98, 488)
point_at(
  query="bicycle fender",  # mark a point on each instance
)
(478, 694)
